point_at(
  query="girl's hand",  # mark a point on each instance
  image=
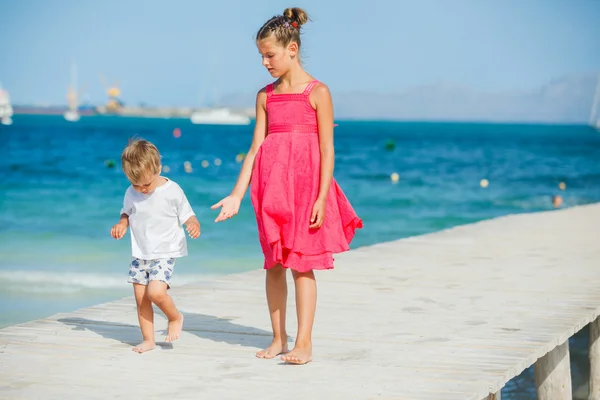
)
(118, 231)
(318, 214)
(230, 206)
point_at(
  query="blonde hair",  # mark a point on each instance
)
(285, 27)
(139, 159)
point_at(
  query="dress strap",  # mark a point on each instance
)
(310, 87)
(269, 89)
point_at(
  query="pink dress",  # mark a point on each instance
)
(285, 186)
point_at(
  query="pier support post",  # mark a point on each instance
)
(594, 353)
(553, 374)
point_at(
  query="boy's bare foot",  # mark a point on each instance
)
(143, 347)
(276, 348)
(299, 355)
(175, 328)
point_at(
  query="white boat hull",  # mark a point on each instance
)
(219, 117)
(6, 112)
(71, 116)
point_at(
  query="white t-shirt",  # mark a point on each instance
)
(156, 221)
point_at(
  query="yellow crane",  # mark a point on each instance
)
(114, 103)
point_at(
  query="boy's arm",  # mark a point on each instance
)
(187, 216)
(192, 220)
(126, 210)
(184, 209)
(120, 228)
(124, 220)
(192, 226)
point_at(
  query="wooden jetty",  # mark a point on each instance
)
(450, 315)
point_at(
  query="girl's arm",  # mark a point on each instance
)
(230, 205)
(324, 106)
(260, 132)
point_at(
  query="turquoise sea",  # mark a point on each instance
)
(61, 189)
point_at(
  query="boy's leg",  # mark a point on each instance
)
(146, 318)
(157, 292)
(306, 304)
(276, 287)
(160, 272)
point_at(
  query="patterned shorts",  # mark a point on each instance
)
(144, 271)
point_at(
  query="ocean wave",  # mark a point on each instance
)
(63, 282)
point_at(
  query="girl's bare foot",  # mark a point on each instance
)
(143, 347)
(175, 328)
(277, 347)
(299, 355)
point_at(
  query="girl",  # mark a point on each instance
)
(302, 214)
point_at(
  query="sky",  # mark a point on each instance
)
(192, 52)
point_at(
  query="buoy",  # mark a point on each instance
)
(395, 177)
(177, 132)
(110, 163)
(390, 145)
(240, 157)
(562, 186)
(205, 164)
(187, 166)
(484, 183)
(217, 162)
(166, 169)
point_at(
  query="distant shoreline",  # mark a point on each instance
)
(143, 112)
(169, 113)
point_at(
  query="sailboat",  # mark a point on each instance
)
(594, 115)
(72, 113)
(6, 110)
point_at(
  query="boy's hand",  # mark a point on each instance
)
(119, 230)
(192, 226)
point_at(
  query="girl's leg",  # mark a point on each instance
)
(276, 286)
(145, 317)
(157, 293)
(306, 304)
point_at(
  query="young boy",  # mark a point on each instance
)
(156, 209)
